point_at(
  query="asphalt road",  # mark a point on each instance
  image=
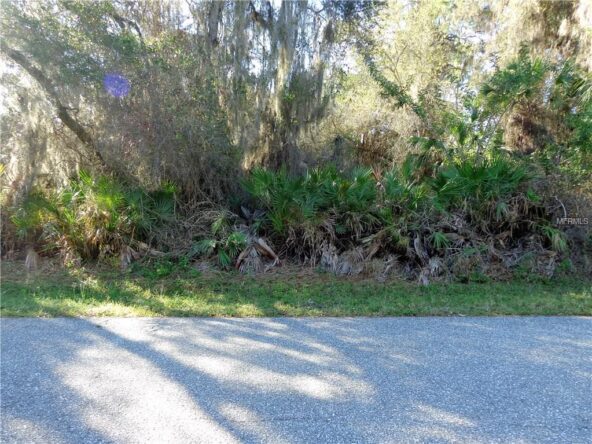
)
(297, 380)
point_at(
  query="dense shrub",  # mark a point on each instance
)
(92, 217)
(466, 202)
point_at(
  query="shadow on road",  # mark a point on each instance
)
(296, 380)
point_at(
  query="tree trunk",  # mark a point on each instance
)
(51, 91)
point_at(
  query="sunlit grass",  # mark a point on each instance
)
(94, 292)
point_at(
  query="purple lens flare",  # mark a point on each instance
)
(117, 85)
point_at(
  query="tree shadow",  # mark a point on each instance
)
(37, 405)
(295, 380)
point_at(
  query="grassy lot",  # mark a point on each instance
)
(96, 292)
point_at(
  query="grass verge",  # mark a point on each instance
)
(95, 292)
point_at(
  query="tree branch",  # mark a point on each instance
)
(258, 18)
(51, 91)
(122, 22)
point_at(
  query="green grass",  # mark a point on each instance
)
(98, 292)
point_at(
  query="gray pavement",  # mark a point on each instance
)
(288, 380)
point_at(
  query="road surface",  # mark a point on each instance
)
(286, 380)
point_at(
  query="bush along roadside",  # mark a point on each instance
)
(467, 218)
(92, 218)
(436, 217)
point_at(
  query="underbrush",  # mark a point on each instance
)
(466, 218)
(436, 217)
(92, 218)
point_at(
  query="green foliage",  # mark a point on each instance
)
(164, 267)
(226, 246)
(571, 102)
(323, 203)
(477, 182)
(394, 91)
(439, 240)
(556, 238)
(520, 80)
(305, 212)
(93, 216)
